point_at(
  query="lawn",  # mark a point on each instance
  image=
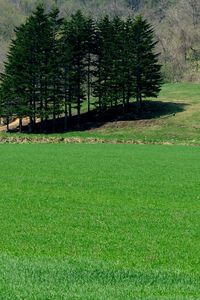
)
(99, 222)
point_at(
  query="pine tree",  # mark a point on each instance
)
(90, 56)
(6, 107)
(54, 73)
(103, 65)
(66, 67)
(32, 69)
(76, 43)
(14, 83)
(42, 43)
(117, 67)
(54, 66)
(147, 74)
(128, 62)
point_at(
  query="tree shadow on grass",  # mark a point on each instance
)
(150, 110)
(157, 109)
(93, 119)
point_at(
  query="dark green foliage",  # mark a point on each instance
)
(147, 75)
(15, 89)
(118, 62)
(90, 45)
(77, 42)
(104, 51)
(55, 66)
(33, 69)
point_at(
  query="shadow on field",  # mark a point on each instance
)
(93, 119)
(157, 109)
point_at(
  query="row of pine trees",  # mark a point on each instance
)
(57, 66)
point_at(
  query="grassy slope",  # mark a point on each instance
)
(183, 99)
(113, 222)
(183, 128)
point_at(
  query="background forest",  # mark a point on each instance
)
(176, 22)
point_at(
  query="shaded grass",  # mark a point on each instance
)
(179, 128)
(99, 222)
(174, 118)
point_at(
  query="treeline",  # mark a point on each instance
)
(55, 66)
(176, 23)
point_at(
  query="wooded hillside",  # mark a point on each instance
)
(177, 25)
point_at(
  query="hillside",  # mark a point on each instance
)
(172, 120)
(176, 22)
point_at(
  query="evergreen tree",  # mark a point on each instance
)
(128, 62)
(147, 74)
(42, 43)
(90, 56)
(66, 67)
(54, 66)
(103, 65)
(37, 45)
(53, 71)
(6, 107)
(32, 69)
(117, 68)
(76, 44)
(14, 83)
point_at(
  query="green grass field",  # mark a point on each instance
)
(99, 222)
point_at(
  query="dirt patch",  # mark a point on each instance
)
(14, 125)
(79, 140)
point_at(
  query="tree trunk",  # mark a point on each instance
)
(20, 124)
(128, 100)
(54, 107)
(79, 93)
(54, 116)
(78, 112)
(88, 82)
(46, 116)
(7, 124)
(123, 98)
(70, 110)
(65, 103)
(30, 126)
(65, 117)
(139, 102)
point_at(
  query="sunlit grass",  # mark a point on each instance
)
(99, 222)
(177, 121)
